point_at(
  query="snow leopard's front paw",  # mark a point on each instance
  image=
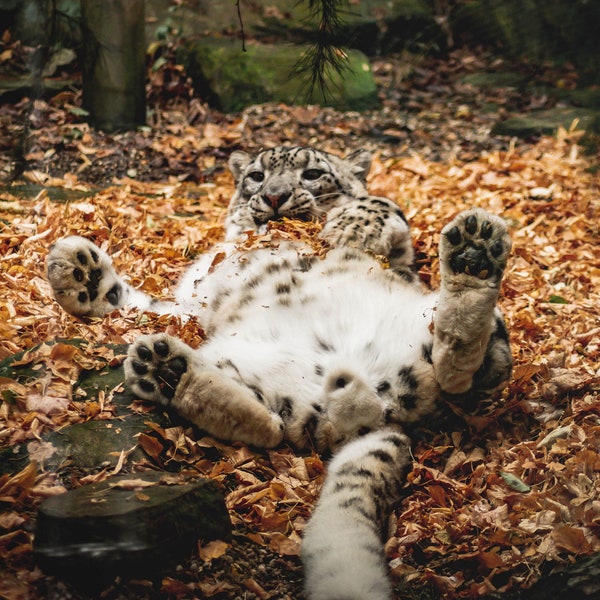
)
(83, 280)
(155, 365)
(373, 224)
(475, 244)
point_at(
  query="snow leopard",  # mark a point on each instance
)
(342, 352)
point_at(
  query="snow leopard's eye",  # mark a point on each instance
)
(312, 174)
(256, 176)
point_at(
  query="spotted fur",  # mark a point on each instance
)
(337, 354)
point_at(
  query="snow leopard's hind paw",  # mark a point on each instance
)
(155, 365)
(476, 244)
(83, 280)
(164, 370)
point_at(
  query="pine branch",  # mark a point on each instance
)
(325, 54)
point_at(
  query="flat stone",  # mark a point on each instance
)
(496, 79)
(88, 445)
(547, 122)
(91, 444)
(127, 526)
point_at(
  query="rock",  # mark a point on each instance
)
(91, 444)
(128, 526)
(579, 580)
(230, 79)
(88, 445)
(496, 79)
(540, 31)
(587, 97)
(546, 122)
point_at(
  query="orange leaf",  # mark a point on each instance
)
(571, 539)
(92, 409)
(282, 544)
(255, 588)
(213, 549)
(490, 559)
(174, 588)
(438, 493)
(150, 445)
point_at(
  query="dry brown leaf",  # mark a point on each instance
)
(132, 484)
(255, 588)
(209, 590)
(48, 405)
(11, 520)
(285, 545)
(571, 539)
(174, 588)
(211, 550)
(150, 445)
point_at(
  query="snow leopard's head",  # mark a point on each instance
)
(294, 182)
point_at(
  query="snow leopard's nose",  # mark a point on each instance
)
(275, 199)
(276, 191)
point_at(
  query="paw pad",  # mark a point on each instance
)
(153, 370)
(88, 274)
(477, 244)
(82, 278)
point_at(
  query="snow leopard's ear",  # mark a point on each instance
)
(238, 161)
(359, 162)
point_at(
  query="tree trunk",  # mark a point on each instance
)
(113, 63)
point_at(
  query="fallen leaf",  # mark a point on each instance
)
(46, 404)
(571, 539)
(211, 550)
(556, 434)
(131, 484)
(284, 545)
(514, 483)
(150, 445)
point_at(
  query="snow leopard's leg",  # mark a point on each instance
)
(84, 281)
(163, 369)
(376, 225)
(470, 344)
(494, 372)
(342, 548)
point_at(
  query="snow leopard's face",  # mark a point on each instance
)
(295, 182)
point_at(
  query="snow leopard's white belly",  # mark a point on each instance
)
(340, 314)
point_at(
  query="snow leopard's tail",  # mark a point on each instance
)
(342, 549)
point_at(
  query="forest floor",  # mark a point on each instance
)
(490, 506)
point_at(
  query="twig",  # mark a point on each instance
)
(243, 34)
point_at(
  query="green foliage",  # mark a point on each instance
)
(324, 57)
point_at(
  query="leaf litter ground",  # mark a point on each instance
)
(489, 506)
